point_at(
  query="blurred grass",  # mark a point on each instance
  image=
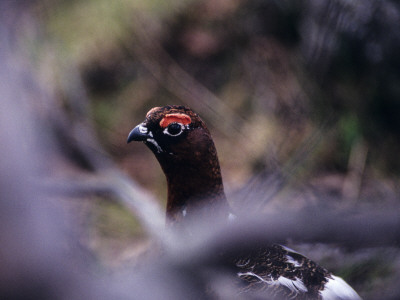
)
(87, 29)
(116, 222)
(114, 234)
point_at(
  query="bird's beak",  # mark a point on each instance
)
(139, 133)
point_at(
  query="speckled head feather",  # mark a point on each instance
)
(186, 152)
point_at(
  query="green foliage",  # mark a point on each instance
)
(111, 220)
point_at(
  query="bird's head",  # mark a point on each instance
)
(173, 131)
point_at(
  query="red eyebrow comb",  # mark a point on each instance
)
(172, 118)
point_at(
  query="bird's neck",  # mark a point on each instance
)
(194, 184)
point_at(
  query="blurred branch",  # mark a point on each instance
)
(353, 230)
(33, 237)
(356, 166)
(73, 132)
(115, 186)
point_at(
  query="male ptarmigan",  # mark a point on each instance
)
(185, 150)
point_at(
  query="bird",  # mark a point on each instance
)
(185, 150)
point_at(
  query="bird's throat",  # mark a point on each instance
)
(192, 185)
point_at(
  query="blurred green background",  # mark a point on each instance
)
(265, 75)
(307, 88)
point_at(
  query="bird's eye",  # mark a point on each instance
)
(173, 129)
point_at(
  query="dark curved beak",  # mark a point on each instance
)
(139, 133)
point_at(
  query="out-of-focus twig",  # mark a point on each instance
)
(357, 160)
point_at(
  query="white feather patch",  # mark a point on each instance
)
(336, 288)
(292, 261)
(293, 285)
(153, 141)
(289, 250)
(240, 274)
(143, 129)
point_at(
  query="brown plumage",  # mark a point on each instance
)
(186, 152)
